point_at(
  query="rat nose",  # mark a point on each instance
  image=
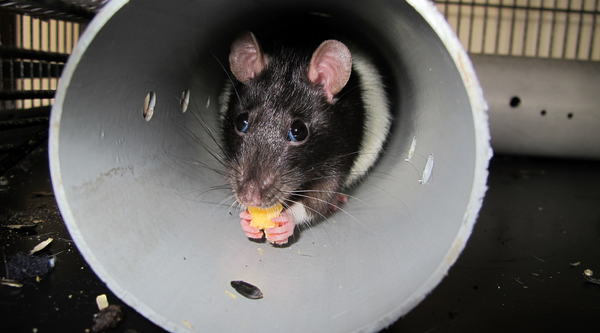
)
(250, 194)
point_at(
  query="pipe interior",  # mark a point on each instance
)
(159, 229)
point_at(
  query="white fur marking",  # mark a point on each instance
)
(298, 212)
(224, 98)
(377, 116)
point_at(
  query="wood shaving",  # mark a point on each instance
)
(41, 246)
(10, 283)
(411, 151)
(102, 302)
(427, 171)
(43, 193)
(20, 226)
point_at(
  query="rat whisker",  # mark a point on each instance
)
(195, 162)
(381, 175)
(314, 211)
(219, 204)
(314, 198)
(211, 189)
(222, 203)
(350, 90)
(235, 204)
(228, 76)
(204, 165)
(298, 203)
(339, 208)
(333, 192)
(198, 116)
(201, 143)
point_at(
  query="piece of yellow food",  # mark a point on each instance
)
(261, 217)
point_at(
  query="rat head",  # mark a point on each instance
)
(283, 124)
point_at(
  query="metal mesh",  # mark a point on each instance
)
(534, 28)
(66, 10)
(36, 37)
(33, 53)
(35, 40)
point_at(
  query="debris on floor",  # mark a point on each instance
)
(247, 290)
(41, 246)
(22, 266)
(108, 318)
(587, 274)
(102, 302)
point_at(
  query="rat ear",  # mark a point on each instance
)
(330, 65)
(246, 60)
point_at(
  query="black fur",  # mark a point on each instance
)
(311, 172)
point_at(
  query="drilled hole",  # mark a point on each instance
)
(149, 104)
(570, 115)
(185, 100)
(543, 113)
(515, 101)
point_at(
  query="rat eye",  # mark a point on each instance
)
(298, 131)
(241, 123)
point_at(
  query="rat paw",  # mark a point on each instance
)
(342, 199)
(279, 235)
(250, 231)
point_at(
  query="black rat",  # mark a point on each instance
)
(301, 123)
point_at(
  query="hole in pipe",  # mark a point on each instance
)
(149, 104)
(543, 113)
(185, 100)
(570, 115)
(515, 101)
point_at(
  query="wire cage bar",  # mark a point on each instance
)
(33, 53)
(36, 38)
(558, 29)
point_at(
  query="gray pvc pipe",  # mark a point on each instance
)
(542, 107)
(150, 226)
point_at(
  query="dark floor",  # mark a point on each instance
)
(518, 272)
